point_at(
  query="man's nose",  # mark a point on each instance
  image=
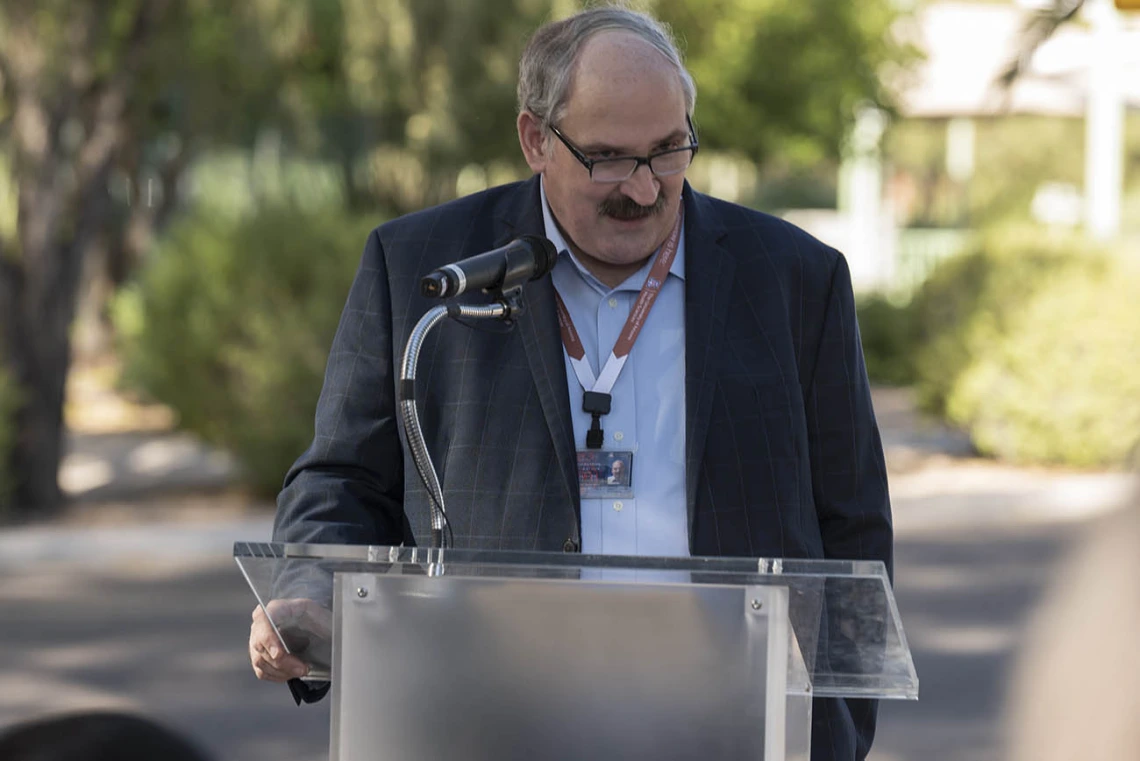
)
(642, 187)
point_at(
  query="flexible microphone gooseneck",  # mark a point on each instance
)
(500, 272)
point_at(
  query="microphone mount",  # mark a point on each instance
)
(505, 306)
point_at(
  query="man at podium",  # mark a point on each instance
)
(710, 349)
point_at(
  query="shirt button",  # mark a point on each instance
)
(618, 506)
(618, 435)
(612, 302)
(569, 546)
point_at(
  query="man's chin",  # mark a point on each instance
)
(633, 233)
(631, 223)
(626, 257)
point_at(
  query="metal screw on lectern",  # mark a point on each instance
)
(756, 605)
(361, 592)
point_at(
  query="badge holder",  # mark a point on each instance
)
(602, 473)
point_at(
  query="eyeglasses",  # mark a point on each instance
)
(621, 168)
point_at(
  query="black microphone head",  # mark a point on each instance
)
(545, 254)
(434, 286)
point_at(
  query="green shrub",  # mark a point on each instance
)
(887, 333)
(230, 324)
(969, 299)
(1032, 344)
(1062, 383)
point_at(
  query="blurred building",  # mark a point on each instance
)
(1088, 69)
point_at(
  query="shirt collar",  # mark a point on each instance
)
(555, 235)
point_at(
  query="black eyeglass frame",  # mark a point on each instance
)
(590, 163)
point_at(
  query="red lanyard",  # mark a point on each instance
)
(597, 397)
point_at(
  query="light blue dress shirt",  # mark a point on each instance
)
(647, 414)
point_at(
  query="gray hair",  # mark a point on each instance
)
(547, 67)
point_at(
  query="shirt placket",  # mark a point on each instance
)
(619, 514)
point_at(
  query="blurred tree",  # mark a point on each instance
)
(96, 98)
(785, 77)
(1042, 24)
(417, 92)
(415, 99)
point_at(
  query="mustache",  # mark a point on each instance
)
(624, 207)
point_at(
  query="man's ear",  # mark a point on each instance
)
(532, 138)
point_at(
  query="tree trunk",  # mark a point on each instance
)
(37, 307)
(37, 357)
(62, 206)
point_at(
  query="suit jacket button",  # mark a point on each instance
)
(569, 546)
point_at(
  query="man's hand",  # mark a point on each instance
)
(302, 622)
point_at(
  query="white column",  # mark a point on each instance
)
(1104, 123)
(961, 137)
(861, 201)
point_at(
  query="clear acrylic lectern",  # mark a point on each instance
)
(455, 654)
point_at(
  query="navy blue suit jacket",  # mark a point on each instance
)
(783, 456)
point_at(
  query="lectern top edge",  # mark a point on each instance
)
(417, 555)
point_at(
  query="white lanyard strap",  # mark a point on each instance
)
(604, 383)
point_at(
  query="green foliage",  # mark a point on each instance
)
(1062, 383)
(230, 325)
(404, 94)
(887, 334)
(413, 101)
(1031, 342)
(969, 299)
(408, 95)
(784, 77)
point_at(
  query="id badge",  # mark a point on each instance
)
(604, 473)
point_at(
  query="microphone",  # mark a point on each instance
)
(526, 258)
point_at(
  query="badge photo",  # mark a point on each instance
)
(603, 474)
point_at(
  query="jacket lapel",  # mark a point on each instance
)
(520, 213)
(709, 269)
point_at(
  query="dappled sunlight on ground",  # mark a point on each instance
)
(85, 472)
(95, 405)
(134, 464)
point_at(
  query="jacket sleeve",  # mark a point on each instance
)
(849, 475)
(348, 487)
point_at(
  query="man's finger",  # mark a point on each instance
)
(275, 668)
(265, 637)
(268, 656)
(285, 668)
(267, 673)
(278, 670)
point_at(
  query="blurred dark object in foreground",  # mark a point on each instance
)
(95, 736)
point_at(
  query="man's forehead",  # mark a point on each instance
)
(610, 62)
(622, 89)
